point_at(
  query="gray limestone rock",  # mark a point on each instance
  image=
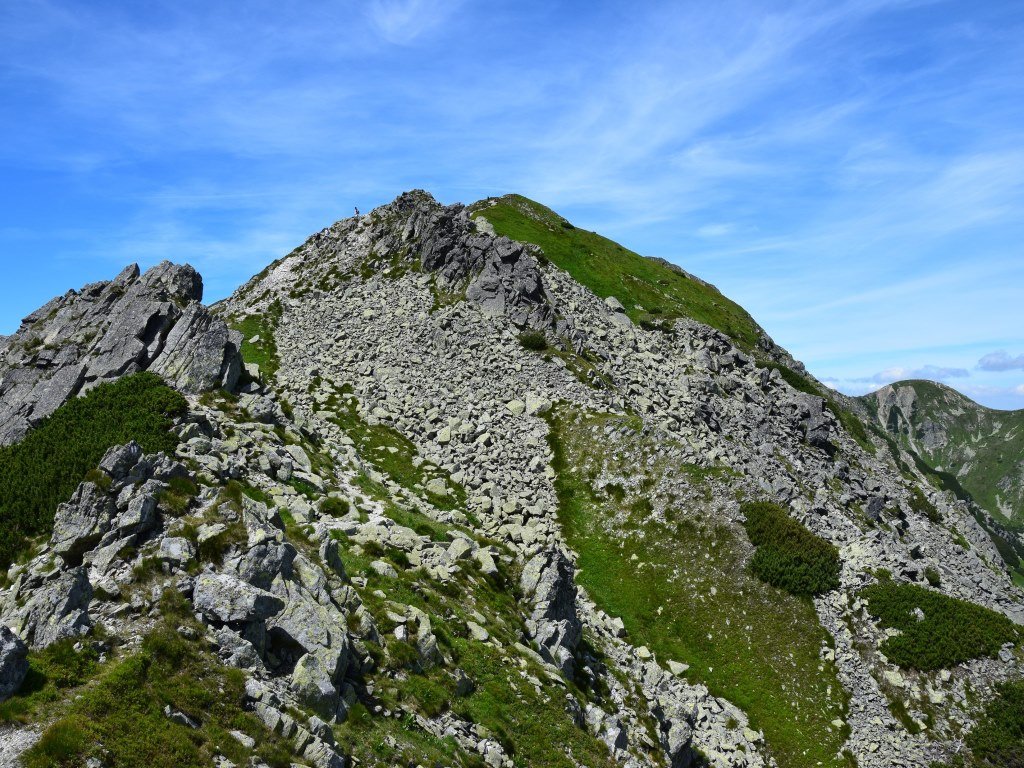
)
(13, 662)
(547, 580)
(80, 523)
(313, 682)
(57, 609)
(229, 600)
(200, 353)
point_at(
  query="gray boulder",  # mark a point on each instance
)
(55, 610)
(229, 600)
(13, 663)
(313, 683)
(119, 460)
(200, 353)
(80, 523)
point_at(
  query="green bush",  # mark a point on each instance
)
(952, 631)
(788, 555)
(998, 738)
(44, 469)
(920, 504)
(535, 341)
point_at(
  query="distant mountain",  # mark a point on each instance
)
(981, 447)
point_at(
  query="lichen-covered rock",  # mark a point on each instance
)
(200, 353)
(13, 662)
(224, 598)
(313, 682)
(80, 523)
(57, 607)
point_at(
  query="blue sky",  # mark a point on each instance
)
(851, 172)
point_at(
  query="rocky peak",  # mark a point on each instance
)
(500, 276)
(137, 321)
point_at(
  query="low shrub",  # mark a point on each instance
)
(920, 504)
(998, 738)
(535, 341)
(788, 555)
(951, 631)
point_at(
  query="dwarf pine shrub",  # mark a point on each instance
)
(788, 555)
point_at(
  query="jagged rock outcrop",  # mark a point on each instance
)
(13, 662)
(553, 624)
(109, 329)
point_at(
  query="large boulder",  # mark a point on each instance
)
(313, 683)
(200, 353)
(547, 580)
(226, 599)
(13, 662)
(55, 608)
(80, 523)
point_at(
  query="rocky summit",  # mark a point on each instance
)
(469, 486)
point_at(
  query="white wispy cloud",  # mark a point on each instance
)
(1001, 361)
(403, 21)
(932, 372)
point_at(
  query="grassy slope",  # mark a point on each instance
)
(996, 439)
(649, 289)
(682, 588)
(116, 709)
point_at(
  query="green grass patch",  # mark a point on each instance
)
(998, 738)
(679, 581)
(952, 631)
(44, 469)
(649, 289)
(121, 717)
(263, 351)
(788, 555)
(51, 672)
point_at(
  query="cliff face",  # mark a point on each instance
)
(469, 509)
(105, 330)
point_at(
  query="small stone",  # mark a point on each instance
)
(477, 632)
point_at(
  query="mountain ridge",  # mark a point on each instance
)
(411, 523)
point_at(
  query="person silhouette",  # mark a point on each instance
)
(357, 211)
